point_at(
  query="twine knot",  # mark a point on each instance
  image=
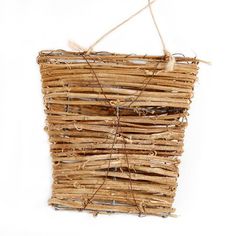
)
(170, 65)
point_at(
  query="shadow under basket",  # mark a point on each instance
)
(116, 128)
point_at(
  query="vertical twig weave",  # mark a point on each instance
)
(116, 126)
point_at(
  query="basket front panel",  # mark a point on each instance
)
(116, 128)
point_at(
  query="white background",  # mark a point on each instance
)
(206, 194)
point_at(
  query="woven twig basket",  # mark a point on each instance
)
(116, 127)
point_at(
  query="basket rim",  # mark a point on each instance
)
(60, 52)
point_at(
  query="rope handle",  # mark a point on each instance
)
(169, 56)
(119, 25)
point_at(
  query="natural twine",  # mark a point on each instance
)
(169, 56)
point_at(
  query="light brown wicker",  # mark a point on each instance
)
(116, 127)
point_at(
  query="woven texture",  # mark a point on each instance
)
(116, 128)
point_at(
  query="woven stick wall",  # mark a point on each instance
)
(116, 127)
